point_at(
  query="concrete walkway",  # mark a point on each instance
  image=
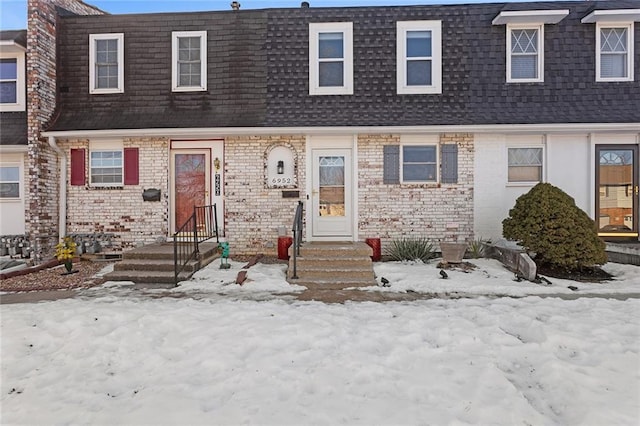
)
(325, 296)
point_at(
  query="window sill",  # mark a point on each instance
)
(189, 89)
(105, 187)
(419, 90)
(521, 184)
(105, 91)
(12, 107)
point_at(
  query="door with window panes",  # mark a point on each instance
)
(617, 190)
(331, 202)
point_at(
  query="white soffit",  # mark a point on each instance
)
(613, 15)
(530, 17)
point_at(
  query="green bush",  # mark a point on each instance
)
(411, 249)
(547, 221)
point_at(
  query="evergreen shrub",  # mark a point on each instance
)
(547, 222)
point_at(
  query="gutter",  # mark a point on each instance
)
(62, 198)
(213, 132)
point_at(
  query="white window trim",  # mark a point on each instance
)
(426, 142)
(346, 28)
(630, 52)
(542, 171)
(540, 28)
(20, 104)
(105, 146)
(175, 87)
(119, 37)
(436, 57)
(20, 183)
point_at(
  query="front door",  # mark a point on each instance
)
(617, 190)
(332, 214)
(191, 175)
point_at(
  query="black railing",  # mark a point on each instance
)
(297, 238)
(201, 226)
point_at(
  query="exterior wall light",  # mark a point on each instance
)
(280, 167)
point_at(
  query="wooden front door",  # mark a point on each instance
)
(191, 176)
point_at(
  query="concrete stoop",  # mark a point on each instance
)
(333, 266)
(152, 265)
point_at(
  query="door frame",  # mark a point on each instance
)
(215, 177)
(634, 188)
(348, 142)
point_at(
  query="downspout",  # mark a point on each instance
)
(62, 198)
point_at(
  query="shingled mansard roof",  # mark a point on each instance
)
(13, 125)
(258, 71)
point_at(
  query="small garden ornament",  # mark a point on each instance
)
(65, 251)
(224, 258)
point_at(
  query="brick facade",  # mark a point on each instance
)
(253, 212)
(440, 212)
(256, 214)
(41, 215)
(121, 210)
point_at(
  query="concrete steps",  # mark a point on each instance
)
(333, 266)
(153, 264)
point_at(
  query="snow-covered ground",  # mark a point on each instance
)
(115, 356)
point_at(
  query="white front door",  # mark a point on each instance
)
(332, 194)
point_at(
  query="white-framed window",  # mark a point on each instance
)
(12, 82)
(106, 63)
(525, 53)
(106, 163)
(419, 57)
(331, 58)
(189, 61)
(9, 182)
(614, 52)
(419, 163)
(524, 164)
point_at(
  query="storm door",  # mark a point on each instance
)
(617, 190)
(331, 205)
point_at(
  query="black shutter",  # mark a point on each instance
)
(449, 163)
(391, 164)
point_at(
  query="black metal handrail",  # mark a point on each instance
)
(201, 226)
(297, 238)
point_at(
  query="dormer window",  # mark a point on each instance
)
(614, 60)
(525, 42)
(419, 55)
(331, 58)
(106, 67)
(189, 64)
(12, 81)
(614, 42)
(525, 59)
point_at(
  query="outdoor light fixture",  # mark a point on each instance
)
(280, 167)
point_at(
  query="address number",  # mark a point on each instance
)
(281, 181)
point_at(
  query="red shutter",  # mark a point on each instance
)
(78, 167)
(131, 166)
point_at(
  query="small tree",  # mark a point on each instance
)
(547, 221)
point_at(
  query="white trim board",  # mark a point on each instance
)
(221, 132)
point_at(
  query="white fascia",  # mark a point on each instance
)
(221, 132)
(613, 15)
(530, 17)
